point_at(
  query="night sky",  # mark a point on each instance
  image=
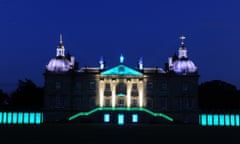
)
(29, 34)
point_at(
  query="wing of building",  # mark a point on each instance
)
(133, 94)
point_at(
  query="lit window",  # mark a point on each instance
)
(0, 117)
(106, 118)
(121, 119)
(203, 120)
(14, 118)
(134, 118)
(4, 117)
(20, 118)
(237, 120)
(32, 118)
(38, 118)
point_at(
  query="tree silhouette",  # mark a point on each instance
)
(3, 99)
(218, 95)
(27, 96)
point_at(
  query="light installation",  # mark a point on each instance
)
(135, 118)
(121, 119)
(219, 120)
(120, 109)
(21, 117)
(122, 70)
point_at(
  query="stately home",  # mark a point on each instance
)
(122, 93)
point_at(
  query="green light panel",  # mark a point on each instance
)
(120, 109)
(219, 119)
(20, 118)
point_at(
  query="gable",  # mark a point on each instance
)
(121, 70)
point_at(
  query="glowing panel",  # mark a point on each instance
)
(121, 119)
(134, 118)
(9, 121)
(232, 117)
(14, 118)
(20, 118)
(203, 119)
(209, 119)
(215, 119)
(122, 70)
(106, 118)
(221, 120)
(26, 118)
(4, 117)
(0, 117)
(237, 120)
(227, 120)
(38, 118)
(32, 118)
(121, 95)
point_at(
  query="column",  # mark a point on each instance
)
(101, 92)
(113, 93)
(140, 85)
(129, 84)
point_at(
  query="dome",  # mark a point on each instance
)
(184, 66)
(59, 65)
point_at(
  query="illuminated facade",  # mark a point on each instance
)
(121, 92)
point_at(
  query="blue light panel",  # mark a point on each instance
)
(237, 120)
(32, 118)
(135, 118)
(227, 120)
(121, 119)
(215, 119)
(232, 120)
(14, 117)
(4, 117)
(9, 121)
(203, 120)
(209, 119)
(221, 120)
(0, 117)
(26, 118)
(20, 118)
(106, 118)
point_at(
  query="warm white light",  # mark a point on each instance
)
(101, 93)
(113, 94)
(129, 94)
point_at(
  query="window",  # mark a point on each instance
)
(149, 85)
(134, 87)
(164, 86)
(185, 87)
(149, 103)
(121, 88)
(121, 103)
(107, 87)
(106, 118)
(134, 103)
(58, 85)
(135, 118)
(121, 119)
(107, 103)
(92, 85)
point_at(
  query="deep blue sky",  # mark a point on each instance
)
(29, 34)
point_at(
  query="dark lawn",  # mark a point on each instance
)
(111, 134)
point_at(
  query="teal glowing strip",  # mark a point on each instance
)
(32, 118)
(38, 118)
(4, 117)
(20, 118)
(26, 118)
(232, 117)
(9, 121)
(1, 117)
(221, 120)
(120, 109)
(237, 120)
(14, 118)
(227, 120)
(209, 119)
(215, 119)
